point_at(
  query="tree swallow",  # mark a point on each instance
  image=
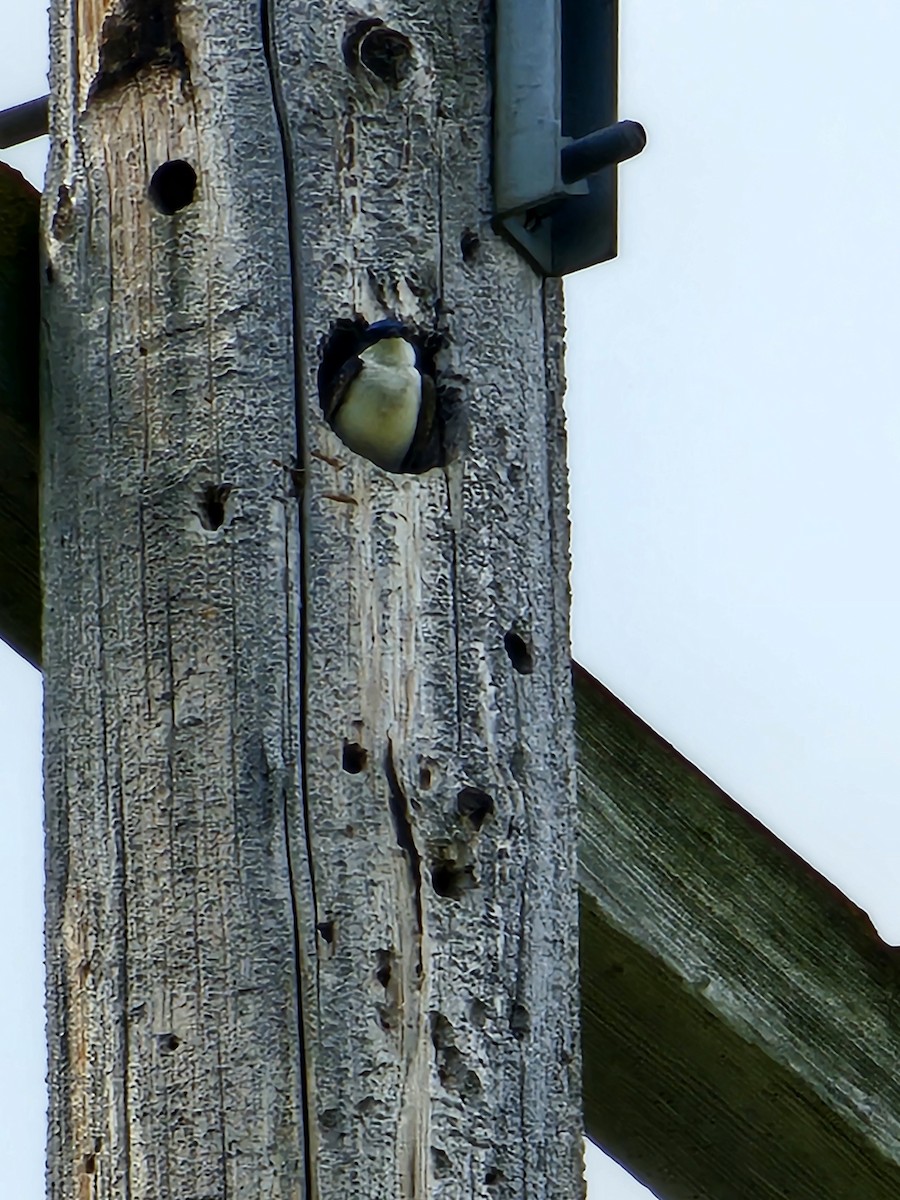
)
(378, 395)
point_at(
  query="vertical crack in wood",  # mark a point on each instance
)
(114, 797)
(405, 840)
(223, 1109)
(455, 601)
(267, 28)
(414, 1115)
(446, 468)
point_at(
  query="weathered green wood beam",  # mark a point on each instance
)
(740, 1016)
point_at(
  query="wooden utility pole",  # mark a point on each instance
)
(310, 800)
(717, 967)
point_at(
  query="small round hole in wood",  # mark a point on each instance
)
(212, 505)
(475, 805)
(173, 186)
(354, 758)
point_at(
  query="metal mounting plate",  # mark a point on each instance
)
(556, 79)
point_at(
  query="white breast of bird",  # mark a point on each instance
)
(381, 409)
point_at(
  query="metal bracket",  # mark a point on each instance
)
(556, 138)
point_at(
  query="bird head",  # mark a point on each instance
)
(389, 327)
(347, 395)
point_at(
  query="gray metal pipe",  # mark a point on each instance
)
(23, 122)
(590, 154)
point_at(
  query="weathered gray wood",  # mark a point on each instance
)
(171, 648)
(446, 1042)
(278, 964)
(741, 1018)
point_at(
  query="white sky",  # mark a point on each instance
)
(735, 436)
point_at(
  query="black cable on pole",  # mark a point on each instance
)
(24, 122)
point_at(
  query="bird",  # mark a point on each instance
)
(381, 399)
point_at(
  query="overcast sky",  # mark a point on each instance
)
(735, 436)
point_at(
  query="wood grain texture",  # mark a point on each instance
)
(309, 766)
(740, 1015)
(446, 1041)
(170, 664)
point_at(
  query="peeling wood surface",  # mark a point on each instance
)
(740, 1016)
(310, 785)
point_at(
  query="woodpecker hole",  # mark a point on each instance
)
(469, 245)
(520, 652)
(475, 805)
(449, 1059)
(342, 343)
(172, 186)
(90, 1164)
(381, 51)
(451, 877)
(424, 778)
(354, 758)
(383, 969)
(212, 505)
(168, 1042)
(135, 35)
(441, 1031)
(493, 1177)
(520, 1021)
(440, 1161)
